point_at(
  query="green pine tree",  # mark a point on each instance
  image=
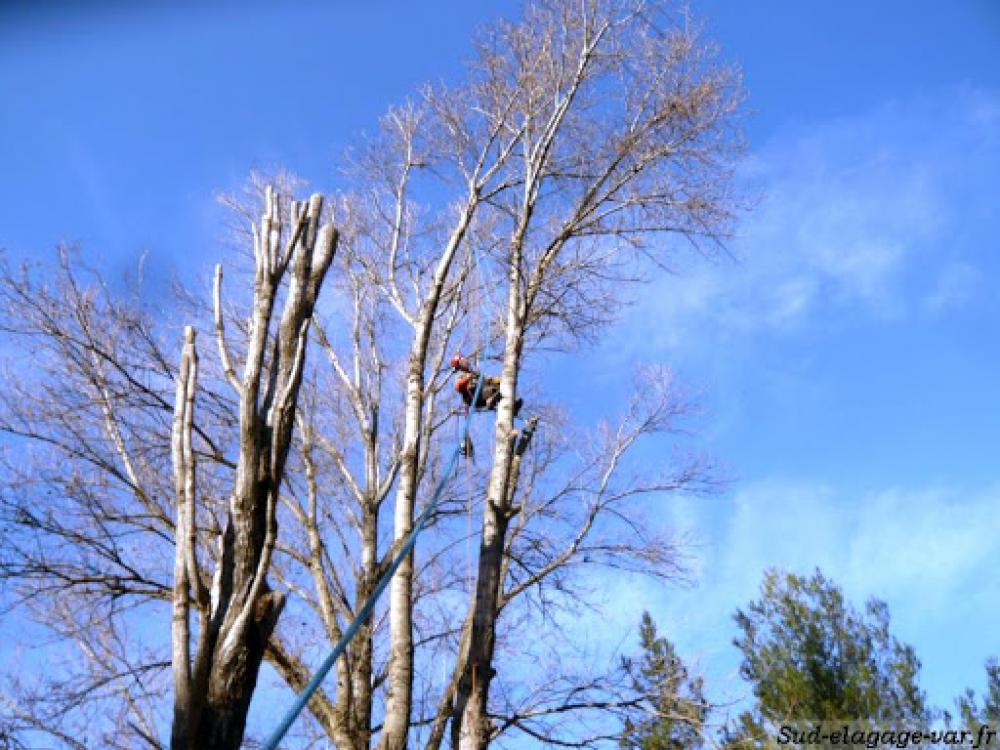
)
(672, 712)
(810, 656)
(972, 714)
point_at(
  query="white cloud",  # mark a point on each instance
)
(860, 215)
(892, 543)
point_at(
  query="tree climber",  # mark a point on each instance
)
(489, 394)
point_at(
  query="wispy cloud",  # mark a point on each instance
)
(893, 543)
(862, 215)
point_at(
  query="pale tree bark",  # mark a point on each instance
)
(215, 685)
(188, 581)
(400, 689)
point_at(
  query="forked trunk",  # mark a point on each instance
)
(212, 694)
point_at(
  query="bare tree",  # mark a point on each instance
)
(86, 502)
(238, 612)
(584, 133)
(505, 214)
(623, 136)
(107, 363)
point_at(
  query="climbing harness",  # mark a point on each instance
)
(369, 605)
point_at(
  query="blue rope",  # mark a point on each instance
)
(369, 605)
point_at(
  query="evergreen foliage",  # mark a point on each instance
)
(810, 656)
(673, 710)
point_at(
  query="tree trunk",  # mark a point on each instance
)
(362, 646)
(399, 697)
(235, 666)
(471, 728)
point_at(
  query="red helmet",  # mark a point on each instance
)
(458, 362)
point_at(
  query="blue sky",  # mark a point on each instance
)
(847, 358)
